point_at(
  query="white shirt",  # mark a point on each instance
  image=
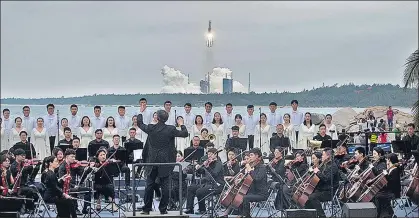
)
(51, 124)
(297, 119)
(250, 122)
(147, 115)
(208, 117)
(98, 122)
(74, 123)
(7, 124)
(274, 119)
(189, 120)
(171, 119)
(228, 121)
(122, 123)
(29, 124)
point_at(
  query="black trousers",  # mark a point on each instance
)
(315, 201)
(10, 204)
(28, 192)
(105, 190)
(149, 191)
(65, 208)
(86, 192)
(251, 140)
(296, 136)
(51, 142)
(383, 203)
(250, 197)
(280, 198)
(200, 191)
(286, 196)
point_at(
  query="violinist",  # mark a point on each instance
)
(119, 167)
(325, 172)
(278, 165)
(57, 153)
(175, 183)
(104, 180)
(341, 155)
(322, 136)
(214, 179)
(299, 165)
(70, 167)
(245, 161)
(6, 183)
(316, 159)
(53, 192)
(232, 166)
(26, 173)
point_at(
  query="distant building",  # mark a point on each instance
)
(227, 86)
(204, 86)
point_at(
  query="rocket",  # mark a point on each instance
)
(210, 36)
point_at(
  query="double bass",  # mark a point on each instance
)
(413, 190)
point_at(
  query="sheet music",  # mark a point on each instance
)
(138, 154)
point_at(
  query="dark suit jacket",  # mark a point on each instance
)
(160, 145)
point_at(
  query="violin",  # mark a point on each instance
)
(351, 161)
(31, 162)
(208, 162)
(79, 164)
(230, 163)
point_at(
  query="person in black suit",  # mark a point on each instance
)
(279, 139)
(161, 149)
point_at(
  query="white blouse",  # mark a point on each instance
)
(334, 134)
(108, 135)
(304, 135)
(86, 136)
(14, 136)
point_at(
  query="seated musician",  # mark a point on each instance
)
(23, 144)
(279, 139)
(69, 166)
(6, 187)
(296, 169)
(132, 140)
(412, 137)
(59, 154)
(195, 146)
(53, 192)
(213, 171)
(278, 165)
(104, 180)
(67, 137)
(98, 140)
(75, 143)
(322, 136)
(232, 166)
(207, 146)
(258, 190)
(341, 155)
(121, 166)
(322, 191)
(316, 159)
(175, 184)
(361, 161)
(234, 135)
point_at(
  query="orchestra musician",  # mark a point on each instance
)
(70, 167)
(67, 137)
(360, 159)
(27, 173)
(322, 192)
(175, 183)
(412, 138)
(98, 140)
(341, 155)
(53, 192)
(278, 165)
(103, 179)
(295, 170)
(213, 171)
(234, 135)
(75, 143)
(258, 189)
(57, 153)
(322, 136)
(232, 166)
(279, 139)
(6, 186)
(132, 140)
(122, 167)
(316, 159)
(23, 144)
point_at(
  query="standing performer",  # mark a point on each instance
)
(86, 132)
(14, 136)
(307, 132)
(297, 118)
(263, 134)
(251, 121)
(40, 139)
(289, 129)
(330, 127)
(51, 126)
(161, 149)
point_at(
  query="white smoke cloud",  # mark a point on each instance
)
(174, 81)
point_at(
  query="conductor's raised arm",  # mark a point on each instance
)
(141, 124)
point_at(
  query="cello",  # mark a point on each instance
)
(413, 190)
(377, 184)
(306, 188)
(355, 192)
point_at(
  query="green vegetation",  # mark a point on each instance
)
(411, 79)
(329, 96)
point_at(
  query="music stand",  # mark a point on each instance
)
(93, 148)
(63, 147)
(203, 143)
(131, 147)
(122, 155)
(195, 156)
(81, 154)
(330, 144)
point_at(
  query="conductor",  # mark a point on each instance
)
(161, 149)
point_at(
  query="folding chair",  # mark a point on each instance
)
(269, 204)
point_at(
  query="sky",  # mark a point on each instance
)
(54, 49)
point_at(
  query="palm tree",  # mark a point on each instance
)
(411, 79)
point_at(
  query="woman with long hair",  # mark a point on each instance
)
(86, 132)
(40, 140)
(307, 132)
(14, 133)
(289, 130)
(110, 130)
(263, 134)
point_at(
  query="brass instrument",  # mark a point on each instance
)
(212, 138)
(314, 145)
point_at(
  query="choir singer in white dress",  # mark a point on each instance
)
(110, 130)
(242, 127)
(180, 143)
(289, 129)
(40, 140)
(217, 127)
(14, 133)
(4, 140)
(86, 131)
(64, 124)
(196, 129)
(307, 132)
(263, 134)
(138, 133)
(331, 127)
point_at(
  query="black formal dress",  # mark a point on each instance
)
(28, 174)
(161, 149)
(54, 194)
(297, 170)
(8, 204)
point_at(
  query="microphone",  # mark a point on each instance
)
(332, 131)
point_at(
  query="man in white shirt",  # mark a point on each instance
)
(168, 108)
(146, 112)
(51, 125)
(27, 122)
(208, 115)
(74, 121)
(228, 119)
(98, 122)
(188, 117)
(250, 120)
(297, 118)
(122, 122)
(274, 118)
(7, 124)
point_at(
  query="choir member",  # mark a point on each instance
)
(250, 121)
(86, 132)
(50, 122)
(64, 124)
(330, 127)
(242, 127)
(263, 134)
(189, 118)
(168, 109)
(138, 133)
(74, 120)
(208, 116)
(154, 119)
(145, 111)
(122, 123)
(273, 117)
(289, 130)
(14, 132)
(196, 129)
(41, 140)
(306, 132)
(217, 128)
(28, 122)
(4, 140)
(99, 121)
(228, 118)
(181, 143)
(110, 130)
(7, 125)
(297, 118)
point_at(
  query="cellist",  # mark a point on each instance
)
(259, 188)
(322, 192)
(278, 165)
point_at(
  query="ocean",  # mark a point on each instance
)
(64, 110)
